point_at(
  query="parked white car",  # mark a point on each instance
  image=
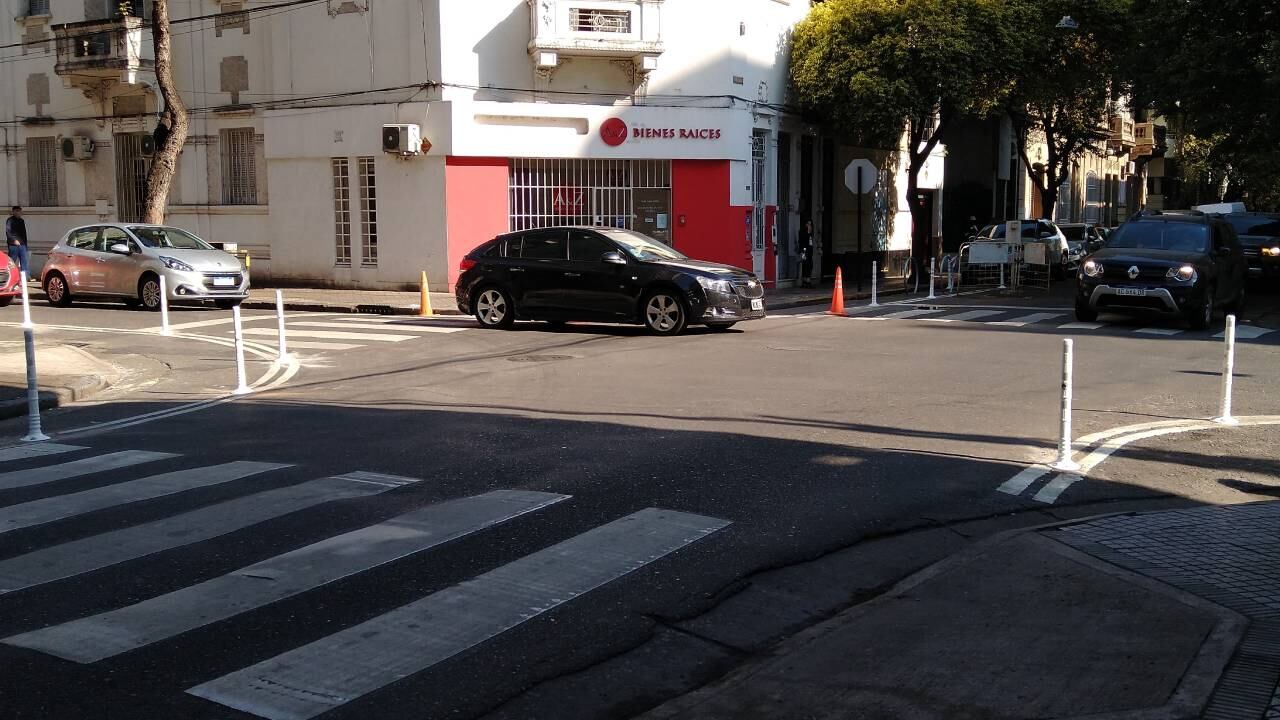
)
(126, 261)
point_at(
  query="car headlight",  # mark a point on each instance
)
(1093, 268)
(175, 264)
(721, 286)
(1186, 273)
(1272, 251)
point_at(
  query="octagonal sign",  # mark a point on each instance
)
(870, 175)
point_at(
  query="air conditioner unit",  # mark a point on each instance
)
(76, 148)
(403, 140)
(147, 146)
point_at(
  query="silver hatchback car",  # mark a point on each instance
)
(127, 260)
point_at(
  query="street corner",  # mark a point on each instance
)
(67, 374)
(1018, 625)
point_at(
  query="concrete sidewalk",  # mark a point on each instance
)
(397, 302)
(65, 374)
(1172, 614)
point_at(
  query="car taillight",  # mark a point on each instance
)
(466, 264)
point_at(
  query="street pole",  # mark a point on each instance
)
(34, 432)
(284, 353)
(858, 270)
(1064, 462)
(164, 309)
(242, 387)
(1228, 370)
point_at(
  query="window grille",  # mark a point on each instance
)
(239, 177)
(547, 192)
(38, 7)
(341, 210)
(368, 212)
(758, 140)
(596, 20)
(1092, 198)
(42, 171)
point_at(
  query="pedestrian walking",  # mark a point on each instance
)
(15, 235)
(804, 243)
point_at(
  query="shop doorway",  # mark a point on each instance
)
(132, 167)
(787, 265)
(632, 194)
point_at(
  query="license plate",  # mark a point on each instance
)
(224, 282)
(757, 304)
(1131, 292)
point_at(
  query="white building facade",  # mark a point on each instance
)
(666, 116)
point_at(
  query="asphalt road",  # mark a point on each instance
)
(620, 487)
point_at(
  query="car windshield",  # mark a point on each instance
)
(1245, 225)
(1072, 233)
(1028, 232)
(167, 237)
(641, 247)
(1179, 237)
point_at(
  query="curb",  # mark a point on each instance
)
(83, 388)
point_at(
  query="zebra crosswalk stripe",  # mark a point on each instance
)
(78, 468)
(38, 512)
(329, 334)
(100, 551)
(102, 636)
(907, 314)
(401, 326)
(337, 669)
(35, 450)
(1023, 320)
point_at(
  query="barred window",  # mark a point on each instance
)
(239, 179)
(341, 210)
(368, 212)
(38, 7)
(42, 171)
(595, 20)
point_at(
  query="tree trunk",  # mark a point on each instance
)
(922, 249)
(165, 164)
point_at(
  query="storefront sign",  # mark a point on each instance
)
(568, 201)
(614, 132)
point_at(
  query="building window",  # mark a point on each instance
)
(239, 177)
(596, 20)
(42, 171)
(759, 140)
(1092, 198)
(368, 212)
(341, 210)
(632, 194)
(38, 7)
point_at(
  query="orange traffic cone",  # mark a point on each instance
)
(837, 295)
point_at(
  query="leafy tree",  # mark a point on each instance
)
(160, 177)
(872, 69)
(1069, 83)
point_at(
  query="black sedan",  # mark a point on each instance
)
(601, 274)
(1188, 265)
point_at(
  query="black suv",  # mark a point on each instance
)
(1189, 264)
(1259, 235)
(603, 274)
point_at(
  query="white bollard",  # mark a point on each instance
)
(1228, 370)
(932, 261)
(284, 352)
(874, 276)
(1001, 287)
(164, 309)
(1064, 461)
(34, 431)
(242, 386)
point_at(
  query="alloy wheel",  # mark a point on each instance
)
(55, 289)
(492, 307)
(663, 313)
(151, 294)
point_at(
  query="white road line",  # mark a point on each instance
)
(77, 468)
(330, 335)
(1054, 488)
(907, 314)
(35, 450)
(38, 512)
(305, 345)
(396, 327)
(337, 669)
(100, 551)
(1027, 319)
(1247, 332)
(106, 635)
(973, 315)
(1157, 331)
(245, 318)
(1081, 326)
(1016, 484)
(938, 320)
(465, 320)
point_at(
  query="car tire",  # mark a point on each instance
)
(226, 304)
(1060, 270)
(55, 288)
(494, 308)
(1200, 317)
(131, 302)
(149, 292)
(4, 301)
(663, 312)
(720, 327)
(1084, 313)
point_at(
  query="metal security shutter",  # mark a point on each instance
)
(552, 191)
(341, 210)
(42, 171)
(239, 182)
(368, 212)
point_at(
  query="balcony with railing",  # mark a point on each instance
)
(613, 29)
(94, 51)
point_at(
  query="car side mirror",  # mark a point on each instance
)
(613, 257)
(120, 249)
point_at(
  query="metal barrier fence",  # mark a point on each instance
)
(1004, 265)
(1033, 269)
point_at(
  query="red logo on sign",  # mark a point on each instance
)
(568, 201)
(613, 131)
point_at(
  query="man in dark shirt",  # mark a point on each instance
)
(15, 235)
(804, 243)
